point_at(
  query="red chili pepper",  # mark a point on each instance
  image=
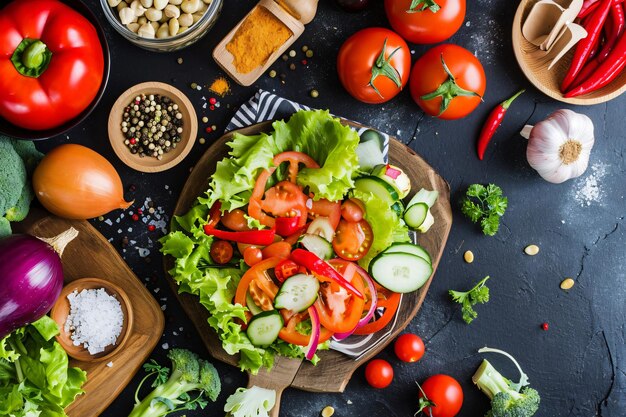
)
(614, 29)
(590, 5)
(252, 237)
(493, 123)
(310, 261)
(606, 71)
(584, 47)
(287, 226)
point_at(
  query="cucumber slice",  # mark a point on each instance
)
(398, 208)
(321, 226)
(252, 306)
(424, 196)
(429, 221)
(378, 187)
(400, 272)
(298, 293)
(318, 245)
(409, 248)
(371, 135)
(369, 155)
(415, 215)
(263, 329)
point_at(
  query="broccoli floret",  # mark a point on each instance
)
(508, 399)
(27, 151)
(12, 176)
(19, 212)
(172, 393)
(5, 227)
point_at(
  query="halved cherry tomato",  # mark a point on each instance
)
(290, 335)
(252, 255)
(281, 249)
(221, 251)
(285, 269)
(379, 373)
(352, 240)
(295, 158)
(323, 207)
(390, 304)
(351, 211)
(339, 310)
(235, 220)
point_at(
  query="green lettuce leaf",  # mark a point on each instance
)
(387, 227)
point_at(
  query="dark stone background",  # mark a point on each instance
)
(579, 365)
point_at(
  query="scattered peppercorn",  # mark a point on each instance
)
(212, 100)
(292, 53)
(545, 326)
(202, 141)
(272, 74)
(208, 129)
(151, 228)
(292, 66)
(213, 127)
(304, 62)
(305, 48)
(179, 60)
(135, 217)
(285, 57)
(132, 188)
(315, 93)
(194, 86)
(212, 107)
(205, 119)
(309, 53)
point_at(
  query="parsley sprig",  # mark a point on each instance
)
(485, 205)
(477, 295)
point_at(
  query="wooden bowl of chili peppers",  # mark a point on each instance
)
(594, 70)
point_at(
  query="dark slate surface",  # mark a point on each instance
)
(579, 365)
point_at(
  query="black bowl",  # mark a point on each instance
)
(17, 132)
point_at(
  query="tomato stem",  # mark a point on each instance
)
(426, 4)
(382, 66)
(31, 57)
(448, 90)
(424, 402)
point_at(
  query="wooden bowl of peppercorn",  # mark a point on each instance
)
(152, 126)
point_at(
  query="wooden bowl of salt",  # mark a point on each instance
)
(63, 308)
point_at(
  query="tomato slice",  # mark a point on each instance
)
(257, 272)
(339, 310)
(221, 251)
(295, 158)
(285, 199)
(326, 208)
(352, 240)
(390, 304)
(254, 205)
(285, 269)
(290, 335)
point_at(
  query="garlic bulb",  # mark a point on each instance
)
(559, 147)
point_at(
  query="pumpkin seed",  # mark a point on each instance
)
(328, 411)
(531, 250)
(567, 283)
(468, 256)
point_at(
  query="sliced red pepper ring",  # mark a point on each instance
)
(253, 237)
(311, 261)
(390, 305)
(287, 226)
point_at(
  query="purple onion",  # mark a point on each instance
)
(31, 277)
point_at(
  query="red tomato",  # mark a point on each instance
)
(364, 57)
(252, 255)
(430, 25)
(235, 220)
(61, 71)
(409, 347)
(326, 208)
(352, 240)
(466, 84)
(352, 211)
(379, 373)
(280, 249)
(444, 396)
(285, 269)
(221, 251)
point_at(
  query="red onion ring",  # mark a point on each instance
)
(370, 313)
(315, 333)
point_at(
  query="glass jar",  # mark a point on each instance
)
(172, 43)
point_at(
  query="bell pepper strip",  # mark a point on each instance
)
(287, 226)
(295, 158)
(493, 123)
(253, 237)
(614, 28)
(390, 305)
(257, 272)
(448, 90)
(606, 71)
(51, 63)
(312, 262)
(585, 46)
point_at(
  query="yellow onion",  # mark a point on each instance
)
(74, 182)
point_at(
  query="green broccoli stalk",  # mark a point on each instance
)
(508, 399)
(172, 393)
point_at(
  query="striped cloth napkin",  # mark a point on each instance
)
(264, 106)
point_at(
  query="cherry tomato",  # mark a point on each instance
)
(409, 347)
(235, 220)
(430, 25)
(252, 255)
(352, 240)
(352, 211)
(280, 249)
(379, 373)
(466, 86)
(444, 396)
(221, 251)
(285, 269)
(374, 65)
(325, 208)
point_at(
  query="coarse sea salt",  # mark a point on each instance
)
(95, 319)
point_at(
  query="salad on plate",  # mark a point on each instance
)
(302, 236)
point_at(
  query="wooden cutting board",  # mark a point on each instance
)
(333, 372)
(91, 255)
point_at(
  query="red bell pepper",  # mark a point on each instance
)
(312, 262)
(252, 237)
(51, 63)
(287, 226)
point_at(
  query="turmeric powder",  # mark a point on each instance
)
(258, 37)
